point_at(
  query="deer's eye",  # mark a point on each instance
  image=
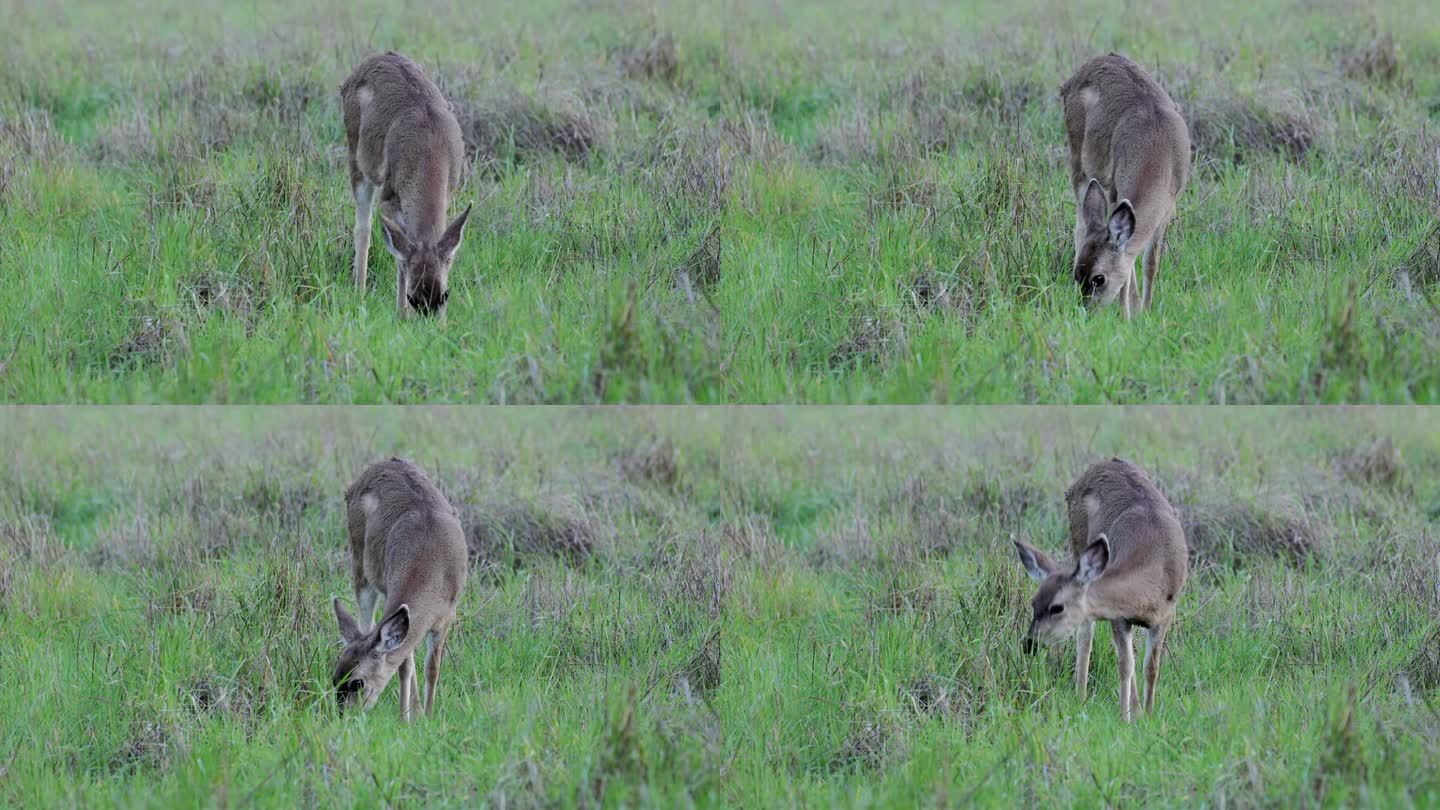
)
(1056, 610)
(1097, 281)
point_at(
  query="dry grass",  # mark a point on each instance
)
(1006, 502)
(937, 108)
(232, 296)
(657, 58)
(1423, 669)
(847, 541)
(29, 134)
(1423, 266)
(948, 698)
(1233, 532)
(30, 537)
(872, 742)
(1229, 528)
(1379, 465)
(701, 674)
(1377, 60)
(702, 267)
(751, 538)
(150, 743)
(655, 462)
(939, 520)
(513, 126)
(1238, 130)
(152, 338)
(869, 339)
(508, 533)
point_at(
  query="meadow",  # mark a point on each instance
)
(718, 606)
(715, 202)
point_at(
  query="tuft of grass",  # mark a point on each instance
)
(510, 533)
(1377, 60)
(1238, 131)
(515, 128)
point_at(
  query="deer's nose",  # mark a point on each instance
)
(427, 297)
(424, 306)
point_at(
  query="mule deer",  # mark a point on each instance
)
(407, 546)
(1129, 160)
(404, 142)
(1130, 567)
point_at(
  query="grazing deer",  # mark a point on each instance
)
(1130, 567)
(407, 546)
(405, 142)
(1129, 160)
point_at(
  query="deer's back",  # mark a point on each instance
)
(1148, 555)
(1126, 120)
(412, 535)
(1118, 497)
(395, 117)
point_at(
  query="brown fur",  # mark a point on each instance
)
(1124, 528)
(1129, 161)
(404, 141)
(406, 544)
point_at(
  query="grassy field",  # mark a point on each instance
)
(715, 202)
(677, 607)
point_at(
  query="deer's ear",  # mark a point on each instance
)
(1036, 563)
(1122, 224)
(349, 629)
(450, 240)
(395, 240)
(1093, 560)
(1093, 206)
(393, 631)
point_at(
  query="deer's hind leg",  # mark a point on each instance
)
(407, 687)
(364, 216)
(1120, 634)
(1152, 265)
(415, 683)
(432, 665)
(1154, 647)
(1083, 641)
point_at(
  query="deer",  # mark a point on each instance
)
(404, 142)
(1129, 161)
(407, 546)
(1131, 562)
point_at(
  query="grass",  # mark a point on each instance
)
(682, 607)
(697, 203)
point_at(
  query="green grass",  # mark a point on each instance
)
(698, 203)
(680, 607)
